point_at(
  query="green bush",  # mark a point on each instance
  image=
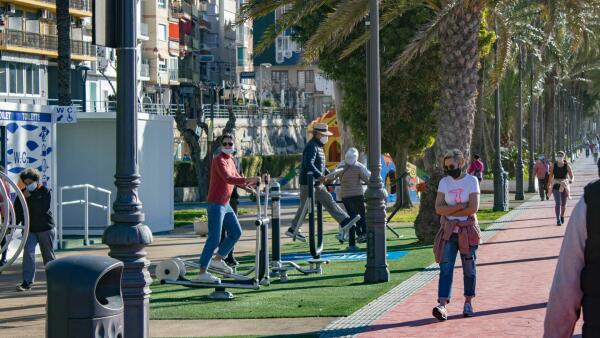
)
(276, 165)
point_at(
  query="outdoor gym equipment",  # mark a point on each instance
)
(279, 268)
(8, 225)
(173, 271)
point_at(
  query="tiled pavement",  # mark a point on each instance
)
(515, 268)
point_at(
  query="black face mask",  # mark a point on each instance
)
(454, 173)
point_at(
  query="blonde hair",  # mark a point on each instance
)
(456, 155)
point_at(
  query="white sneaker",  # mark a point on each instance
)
(221, 266)
(206, 277)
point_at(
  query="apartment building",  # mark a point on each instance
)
(284, 79)
(29, 49)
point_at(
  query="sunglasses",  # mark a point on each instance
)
(225, 144)
(450, 167)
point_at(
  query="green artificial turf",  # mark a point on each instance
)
(185, 217)
(340, 291)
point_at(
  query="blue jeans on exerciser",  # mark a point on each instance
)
(220, 216)
(447, 270)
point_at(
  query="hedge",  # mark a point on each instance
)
(276, 165)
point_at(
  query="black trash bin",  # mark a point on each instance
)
(84, 297)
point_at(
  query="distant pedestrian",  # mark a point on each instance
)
(541, 169)
(41, 225)
(594, 148)
(352, 174)
(559, 180)
(476, 168)
(577, 275)
(587, 148)
(457, 203)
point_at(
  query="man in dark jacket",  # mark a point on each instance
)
(41, 225)
(313, 160)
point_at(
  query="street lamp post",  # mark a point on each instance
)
(127, 237)
(377, 268)
(532, 130)
(519, 196)
(500, 196)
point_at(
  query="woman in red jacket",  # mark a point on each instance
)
(223, 178)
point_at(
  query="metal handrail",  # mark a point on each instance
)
(85, 201)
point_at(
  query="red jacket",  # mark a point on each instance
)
(223, 178)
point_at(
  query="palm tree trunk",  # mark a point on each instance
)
(460, 59)
(346, 137)
(63, 24)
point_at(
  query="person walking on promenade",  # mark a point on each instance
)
(41, 225)
(352, 174)
(541, 169)
(457, 203)
(313, 160)
(559, 180)
(476, 168)
(223, 177)
(577, 275)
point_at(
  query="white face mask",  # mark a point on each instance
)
(560, 159)
(324, 139)
(31, 187)
(228, 151)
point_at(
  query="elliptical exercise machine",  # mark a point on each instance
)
(279, 268)
(173, 271)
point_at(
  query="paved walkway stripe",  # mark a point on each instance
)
(361, 319)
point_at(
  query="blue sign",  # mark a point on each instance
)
(341, 256)
(20, 116)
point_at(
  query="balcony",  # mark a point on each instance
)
(174, 74)
(143, 32)
(78, 8)
(180, 10)
(145, 70)
(39, 44)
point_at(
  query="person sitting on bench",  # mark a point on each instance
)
(223, 177)
(313, 160)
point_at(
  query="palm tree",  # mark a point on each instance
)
(63, 23)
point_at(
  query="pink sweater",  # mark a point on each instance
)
(564, 303)
(223, 177)
(540, 169)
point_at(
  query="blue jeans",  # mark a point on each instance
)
(45, 239)
(220, 216)
(447, 270)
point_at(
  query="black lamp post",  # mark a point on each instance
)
(377, 268)
(128, 236)
(519, 196)
(532, 131)
(500, 195)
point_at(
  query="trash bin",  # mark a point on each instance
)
(84, 297)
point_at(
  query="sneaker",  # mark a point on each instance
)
(24, 287)
(468, 310)
(206, 277)
(361, 239)
(298, 236)
(440, 312)
(562, 220)
(558, 222)
(221, 266)
(349, 223)
(352, 248)
(231, 261)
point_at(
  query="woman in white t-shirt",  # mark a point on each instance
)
(457, 203)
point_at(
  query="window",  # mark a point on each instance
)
(36, 80)
(162, 65)
(162, 3)
(13, 78)
(279, 77)
(162, 32)
(3, 77)
(29, 79)
(241, 56)
(20, 79)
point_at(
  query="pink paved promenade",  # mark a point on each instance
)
(514, 274)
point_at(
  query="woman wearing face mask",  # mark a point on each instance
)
(457, 203)
(352, 175)
(41, 225)
(223, 177)
(559, 180)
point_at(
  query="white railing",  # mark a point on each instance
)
(87, 203)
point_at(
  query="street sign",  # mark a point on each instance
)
(247, 75)
(207, 58)
(64, 114)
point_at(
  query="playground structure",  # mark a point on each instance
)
(9, 229)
